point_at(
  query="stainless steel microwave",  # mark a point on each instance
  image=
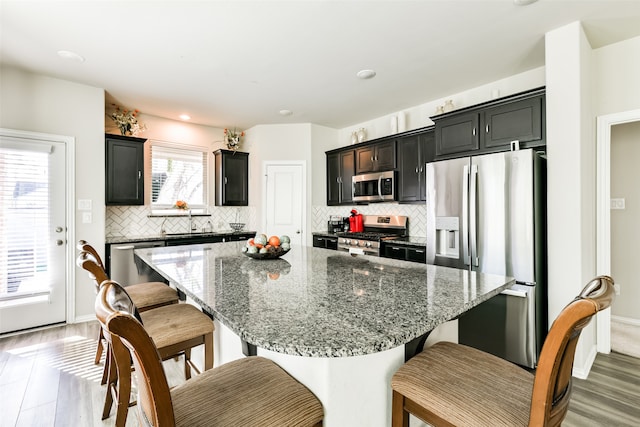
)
(374, 187)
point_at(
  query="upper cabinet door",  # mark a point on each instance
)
(409, 164)
(365, 159)
(124, 180)
(232, 178)
(515, 121)
(457, 134)
(377, 157)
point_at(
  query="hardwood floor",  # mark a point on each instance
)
(47, 378)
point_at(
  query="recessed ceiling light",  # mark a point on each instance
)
(67, 54)
(285, 112)
(185, 117)
(366, 74)
(523, 2)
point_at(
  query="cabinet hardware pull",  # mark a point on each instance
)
(371, 159)
(418, 251)
(225, 180)
(416, 169)
(139, 174)
(474, 131)
(487, 128)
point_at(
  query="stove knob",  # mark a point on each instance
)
(347, 241)
(368, 244)
(356, 243)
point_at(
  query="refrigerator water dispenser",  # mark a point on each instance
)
(447, 236)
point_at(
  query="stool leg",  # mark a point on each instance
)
(187, 363)
(99, 347)
(208, 351)
(107, 364)
(399, 417)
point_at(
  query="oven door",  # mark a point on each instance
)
(374, 187)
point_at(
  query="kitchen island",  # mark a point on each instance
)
(337, 323)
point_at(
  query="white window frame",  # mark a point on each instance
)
(166, 209)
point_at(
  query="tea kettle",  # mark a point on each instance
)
(355, 222)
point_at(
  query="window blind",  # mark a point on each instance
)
(24, 219)
(178, 174)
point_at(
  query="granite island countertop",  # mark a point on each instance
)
(173, 236)
(321, 303)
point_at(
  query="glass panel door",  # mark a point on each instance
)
(32, 233)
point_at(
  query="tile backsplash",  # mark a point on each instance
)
(135, 220)
(417, 215)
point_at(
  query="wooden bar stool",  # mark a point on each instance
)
(175, 329)
(252, 391)
(454, 385)
(145, 295)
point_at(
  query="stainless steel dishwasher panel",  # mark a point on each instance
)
(126, 270)
(503, 325)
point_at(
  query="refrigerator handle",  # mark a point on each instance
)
(465, 215)
(473, 196)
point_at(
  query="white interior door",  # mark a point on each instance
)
(32, 233)
(284, 201)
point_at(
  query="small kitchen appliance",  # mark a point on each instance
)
(376, 229)
(356, 222)
(374, 187)
(335, 224)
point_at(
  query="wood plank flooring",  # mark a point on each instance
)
(47, 378)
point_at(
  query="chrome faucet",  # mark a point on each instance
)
(192, 225)
(162, 229)
(207, 227)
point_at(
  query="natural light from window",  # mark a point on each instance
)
(178, 174)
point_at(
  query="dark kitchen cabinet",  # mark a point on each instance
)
(232, 178)
(413, 253)
(325, 242)
(124, 170)
(457, 134)
(376, 157)
(492, 126)
(516, 121)
(340, 170)
(414, 152)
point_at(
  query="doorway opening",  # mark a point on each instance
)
(603, 222)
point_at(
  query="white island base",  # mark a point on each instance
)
(354, 391)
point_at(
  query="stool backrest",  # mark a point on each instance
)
(84, 246)
(87, 261)
(552, 384)
(113, 307)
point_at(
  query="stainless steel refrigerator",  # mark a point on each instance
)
(487, 213)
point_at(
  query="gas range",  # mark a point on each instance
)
(377, 228)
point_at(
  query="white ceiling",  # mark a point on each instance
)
(237, 63)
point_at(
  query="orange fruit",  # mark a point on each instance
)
(251, 243)
(274, 241)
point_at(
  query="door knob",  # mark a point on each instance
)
(59, 242)
(297, 231)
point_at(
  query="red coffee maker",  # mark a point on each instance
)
(355, 222)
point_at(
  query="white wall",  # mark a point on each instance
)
(616, 70)
(418, 117)
(277, 142)
(44, 104)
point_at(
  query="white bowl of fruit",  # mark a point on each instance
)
(263, 247)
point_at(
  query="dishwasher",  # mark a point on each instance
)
(126, 269)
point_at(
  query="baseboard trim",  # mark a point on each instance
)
(85, 318)
(625, 320)
(582, 372)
